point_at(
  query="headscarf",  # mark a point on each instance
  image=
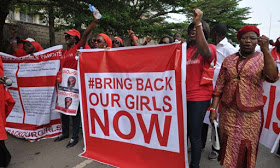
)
(107, 39)
(277, 42)
(118, 38)
(247, 28)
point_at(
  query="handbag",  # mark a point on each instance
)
(208, 74)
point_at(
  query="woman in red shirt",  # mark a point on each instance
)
(199, 54)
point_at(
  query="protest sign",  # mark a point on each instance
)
(33, 89)
(133, 101)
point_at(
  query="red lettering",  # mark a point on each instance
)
(98, 83)
(155, 104)
(167, 83)
(106, 100)
(155, 84)
(131, 103)
(116, 125)
(115, 98)
(148, 85)
(275, 126)
(139, 82)
(90, 99)
(94, 117)
(119, 83)
(128, 85)
(163, 139)
(145, 103)
(270, 106)
(167, 104)
(107, 81)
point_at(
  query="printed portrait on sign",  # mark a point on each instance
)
(68, 102)
(71, 82)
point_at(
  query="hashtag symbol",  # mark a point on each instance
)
(90, 83)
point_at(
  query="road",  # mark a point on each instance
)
(49, 154)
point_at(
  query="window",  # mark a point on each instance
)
(11, 15)
(26, 17)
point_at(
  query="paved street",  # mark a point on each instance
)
(49, 154)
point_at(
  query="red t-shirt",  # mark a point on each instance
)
(195, 91)
(69, 60)
(275, 54)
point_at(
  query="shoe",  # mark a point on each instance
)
(213, 155)
(60, 138)
(72, 143)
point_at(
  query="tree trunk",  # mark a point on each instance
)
(51, 26)
(3, 16)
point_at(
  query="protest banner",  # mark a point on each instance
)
(133, 100)
(34, 78)
(68, 93)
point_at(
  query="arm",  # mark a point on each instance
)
(201, 42)
(270, 67)
(214, 105)
(14, 41)
(131, 36)
(88, 30)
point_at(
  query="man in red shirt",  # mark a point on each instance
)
(73, 41)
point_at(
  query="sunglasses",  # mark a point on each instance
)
(98, 41)
(67, 36)
(116, 42)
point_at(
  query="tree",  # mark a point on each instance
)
(147, 17)
(223, 11)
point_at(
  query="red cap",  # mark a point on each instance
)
(277, 42)
(107, 39)
(118, 38)
(74, 32)
(247, 28)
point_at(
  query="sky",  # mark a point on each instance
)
(262, 12)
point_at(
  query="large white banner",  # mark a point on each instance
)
(34, 91)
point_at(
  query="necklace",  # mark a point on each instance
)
(240, 55)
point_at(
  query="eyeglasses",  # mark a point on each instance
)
(67, 36)
(116, 42)
(92, 40)
(98, 41)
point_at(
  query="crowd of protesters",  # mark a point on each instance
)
(237, 88)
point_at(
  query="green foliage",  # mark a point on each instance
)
(146, 17)
(223, 11)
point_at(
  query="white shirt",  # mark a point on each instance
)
(224, 49)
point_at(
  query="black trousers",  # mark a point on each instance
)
(278, 151)
(5, 156)
(76, 121)
(196, 112)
